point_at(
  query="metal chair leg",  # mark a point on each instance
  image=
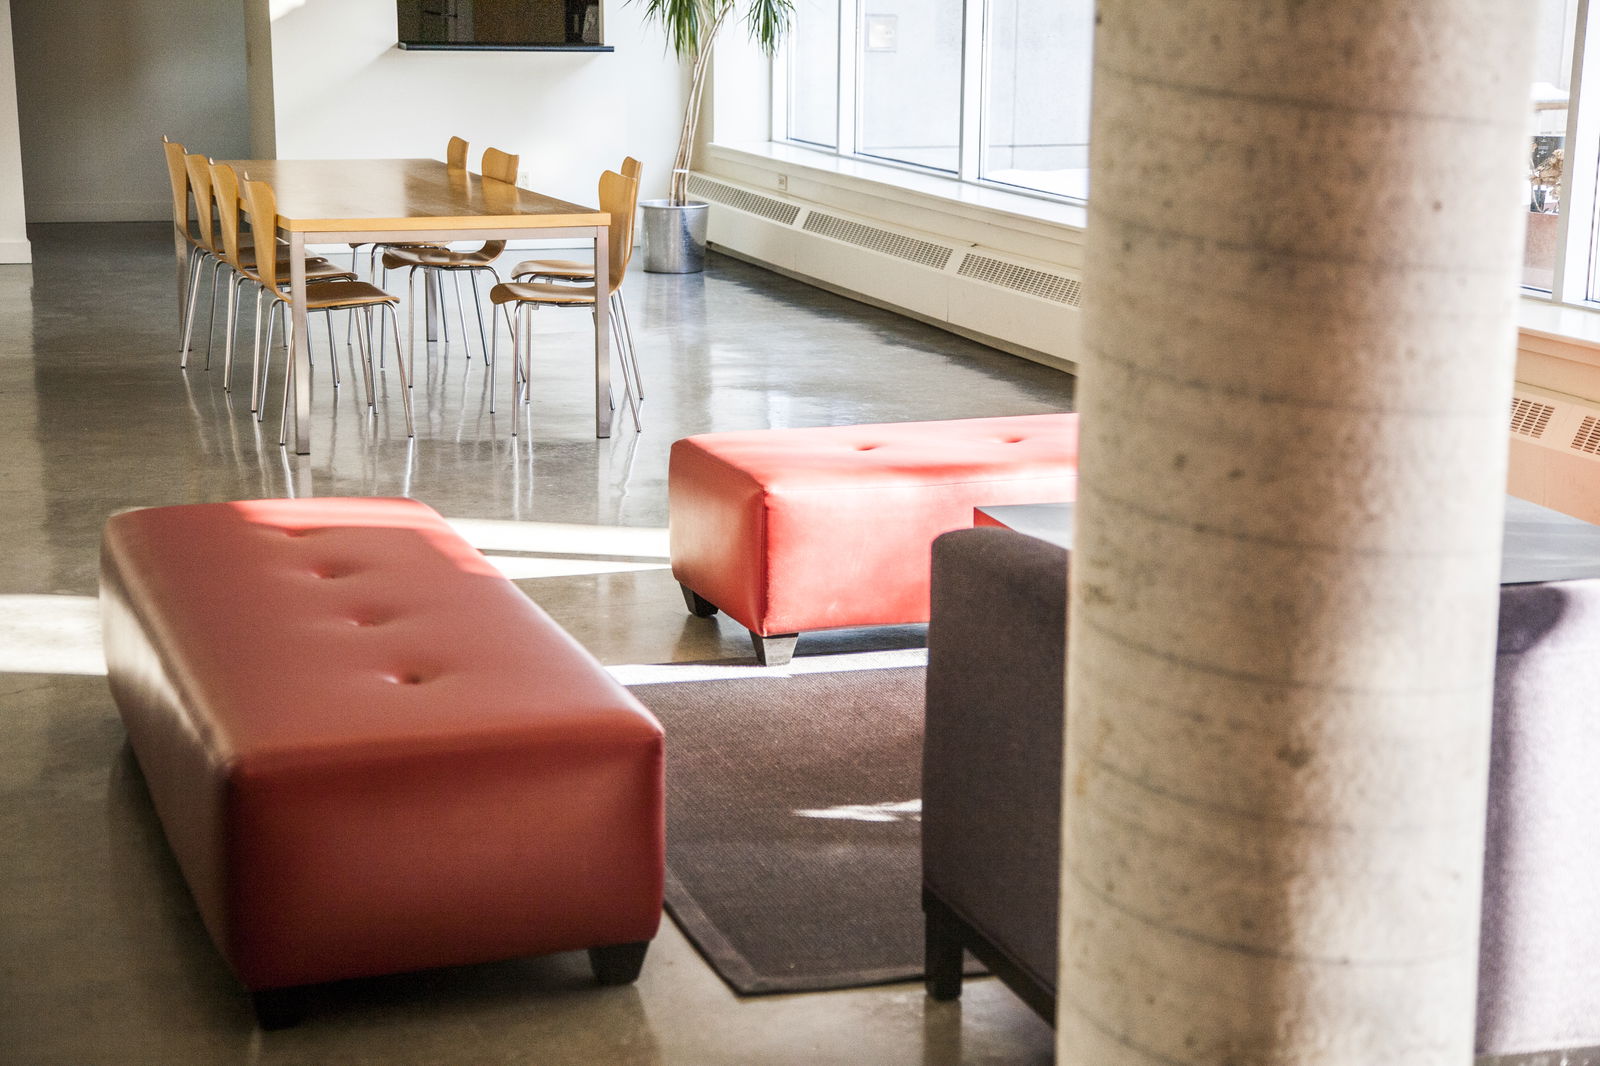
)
(633, 353)
(477, 305)
(400, 364)
(411, 321)
(518, 356)
(493, 363)
(288, 374)
(444, 316)
(461, 311)
(211, 312)
(630, 395)
(255, 359)
(233, 327)
(188, 328)
(185, 300)
(333, 351)
(266, 363)
(364, 339)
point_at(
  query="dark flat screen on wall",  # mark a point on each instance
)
(498, 23)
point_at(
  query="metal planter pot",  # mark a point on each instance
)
(674, 236)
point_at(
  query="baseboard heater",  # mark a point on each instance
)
(1025, 306)
(1555, 451)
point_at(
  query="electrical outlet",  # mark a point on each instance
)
(783, 181)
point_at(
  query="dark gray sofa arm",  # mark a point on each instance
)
(1539, 955)
(991, 776)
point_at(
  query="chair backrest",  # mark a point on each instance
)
(500, 166)
(619, 197)
(178, 174)
(261, 204)
(198, 168)
(455, 155)
(225, 186)
(632, 168)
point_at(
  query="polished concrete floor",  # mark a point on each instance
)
(102, 956)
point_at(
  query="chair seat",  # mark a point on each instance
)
(317, 269)
(541, 292)
(330, 294)
(398, 258)
(555, 268)
(407, 244)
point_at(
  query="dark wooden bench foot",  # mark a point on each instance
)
(775, 650)
(278, 1008)
(943, 951)
(698, 605)
(618, 964)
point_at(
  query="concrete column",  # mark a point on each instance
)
(1302, 273)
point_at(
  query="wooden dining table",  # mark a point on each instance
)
(340, 201)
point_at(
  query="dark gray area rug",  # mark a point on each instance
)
(793, 841)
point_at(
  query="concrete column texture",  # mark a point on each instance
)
(1302, 276)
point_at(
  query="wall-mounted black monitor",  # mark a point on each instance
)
(566, 25)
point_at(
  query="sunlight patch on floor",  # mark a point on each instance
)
(50, 635)
(522, 567)
(560, 538)
(903, 811)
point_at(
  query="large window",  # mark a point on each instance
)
(1547, 156)
(910, 95)
(987, 90)
(1036, 114)
(814, 73)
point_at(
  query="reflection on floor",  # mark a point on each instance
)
(102, 958)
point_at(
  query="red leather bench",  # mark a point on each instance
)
(370, 752)
(799, 529)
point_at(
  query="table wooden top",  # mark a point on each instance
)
(353, 195)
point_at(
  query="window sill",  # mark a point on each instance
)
(977, 214)
(1564, 325)
(461, 46)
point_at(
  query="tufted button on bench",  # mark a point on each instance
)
(799, 529)
(369, 751)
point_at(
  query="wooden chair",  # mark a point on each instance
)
(436, 261)
(261, 204)
(178, 174)
(218, 186)
(455, 158)
(619, 196)
(574, 271)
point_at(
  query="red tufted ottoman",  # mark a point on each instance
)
(788, 530)
(369, 751)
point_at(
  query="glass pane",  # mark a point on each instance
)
(814, 72)
(911, 81)
(1036, 120)
(1547, 155)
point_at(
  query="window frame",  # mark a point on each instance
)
(972, 149)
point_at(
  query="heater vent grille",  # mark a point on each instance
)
(1040, 283)
(744, 200)
(1529, 417)
(1587, 439)
(888, 242)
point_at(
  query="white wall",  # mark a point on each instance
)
(14, 247)
(99, 82)
(342, 89)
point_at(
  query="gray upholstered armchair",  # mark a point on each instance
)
(992, 790)
(991, 768)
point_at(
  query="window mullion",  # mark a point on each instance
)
(850, 14)
(974, 65)
(1576, 230)
(780, 124)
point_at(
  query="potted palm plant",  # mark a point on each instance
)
(675, 228)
